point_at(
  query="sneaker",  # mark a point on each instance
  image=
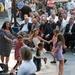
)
(45, 60)
(53, 62)
(65, 60)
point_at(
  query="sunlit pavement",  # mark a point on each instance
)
(48, 68)
(51, 69)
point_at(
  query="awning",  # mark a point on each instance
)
(61, 0)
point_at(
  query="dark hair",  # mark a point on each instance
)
(60, 37)
(40, 44)
(19, 37)
(26, 53)
(38, 51)
(4, 26)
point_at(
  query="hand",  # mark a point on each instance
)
(10, 40)
(52, 53)
(42, 35)
(12, 70)
(49, 42)
(47, 36)
(65, 46)
(69, 32)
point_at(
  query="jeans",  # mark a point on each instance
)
(37, 62)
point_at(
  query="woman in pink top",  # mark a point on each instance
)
(54, 40)
(50, 5)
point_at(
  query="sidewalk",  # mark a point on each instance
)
(48, 68)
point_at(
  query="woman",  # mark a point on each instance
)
(50, 5)
(27, 67)
(5, 41)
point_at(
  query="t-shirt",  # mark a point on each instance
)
(41, 52)
(27, 68)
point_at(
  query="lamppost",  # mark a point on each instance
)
(14, 5)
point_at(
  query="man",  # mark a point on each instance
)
(34, 24)
(48, 32)
(69, 33)
(25, 27)
(8, 5)
(70, 5)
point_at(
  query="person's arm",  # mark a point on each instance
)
(26, 38)
(48, 52)
(50, 41)
(8, 38)
(41, 39)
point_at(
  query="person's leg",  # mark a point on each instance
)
(35, 61)
(61, 67)
(54, 59)
(2, 59)
(7, 59)
(38, 64)
(9, 14)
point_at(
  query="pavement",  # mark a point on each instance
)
(48, 68)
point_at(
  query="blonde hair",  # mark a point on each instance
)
(33, 33)
(56, 31)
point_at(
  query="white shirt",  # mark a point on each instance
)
(41, 53)
(27, 68)
(25, 28)
(33, 7)
(55, 19)
(67, 19)
(36, 41)
(8, 4)
(62, 27)
(71, 5)
(70, 28)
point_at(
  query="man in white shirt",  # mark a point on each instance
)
(8, 5)
(65, 21)
(69, 33)
(25, 27)
(53, 15)
(70, 5)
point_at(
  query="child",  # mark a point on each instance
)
(54, 40)
(39, 52)
(36, 38)
(58, 52)
(18, 44)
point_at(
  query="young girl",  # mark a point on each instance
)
(18, 44)
(39, 55)
(54, 40)
(36, 38)
(58, 52)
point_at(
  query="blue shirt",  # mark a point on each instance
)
(20, 4)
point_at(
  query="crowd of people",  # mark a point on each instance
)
(47, 27)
